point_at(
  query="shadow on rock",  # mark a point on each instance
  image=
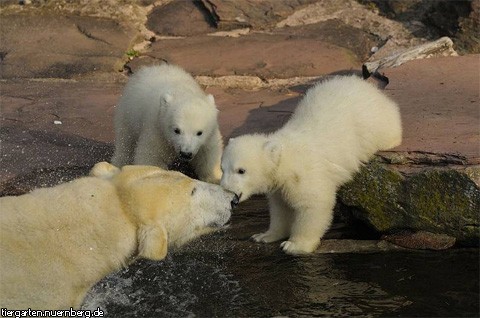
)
(41, 178)
(271, 118)
(32, 158)
(267, 119)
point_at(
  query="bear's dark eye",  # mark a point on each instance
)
(199, 133)
(241, 171)
(193, 191)
(177, 131)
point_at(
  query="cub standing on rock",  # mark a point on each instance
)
(164, 115)
(339, 124)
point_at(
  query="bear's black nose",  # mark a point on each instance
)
(186, 155)
(234, 201)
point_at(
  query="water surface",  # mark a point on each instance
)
(222, 277)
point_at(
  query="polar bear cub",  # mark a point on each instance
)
(164, 115)
(339, 124)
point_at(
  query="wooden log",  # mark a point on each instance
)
(440, 47)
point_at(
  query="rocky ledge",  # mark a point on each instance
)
(63, 65)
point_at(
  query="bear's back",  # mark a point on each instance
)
(349, 105)
(343, 121)
(60, 239)
(60, 205)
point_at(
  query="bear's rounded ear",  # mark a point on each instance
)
(104, 170)
(152, 241)
(273, 150)
(167, 98)
(211, 99)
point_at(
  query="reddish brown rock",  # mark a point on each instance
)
(84, 45)
(263, 55)
(260, 111)
(439, 101)
(298, 51)
(180, 18)
(422, 240)
(336, 32)
(232, 14)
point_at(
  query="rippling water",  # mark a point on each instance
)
(227, 275)
(226, 278)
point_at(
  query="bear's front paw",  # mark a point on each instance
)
(267, 237)
(296, 248)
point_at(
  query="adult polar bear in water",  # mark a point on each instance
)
(56, 243)
(164, 115)
(339, 124)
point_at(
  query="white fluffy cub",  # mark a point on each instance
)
(339, 124)
(164, 115)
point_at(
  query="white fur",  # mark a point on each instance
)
(339, 124)
(56, 243)
(156, 101)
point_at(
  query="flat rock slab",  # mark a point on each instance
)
(439, 101)
(85, 109)
(54, 124)
(180, 18)
(421, 240)
(33, 47)
(263, 55)
(51, 124)
(257, 14)
(311, 50)
(255, 111)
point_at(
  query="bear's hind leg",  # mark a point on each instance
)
(124, 148)
(150, 151)
(281, 216)
(309, 226)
